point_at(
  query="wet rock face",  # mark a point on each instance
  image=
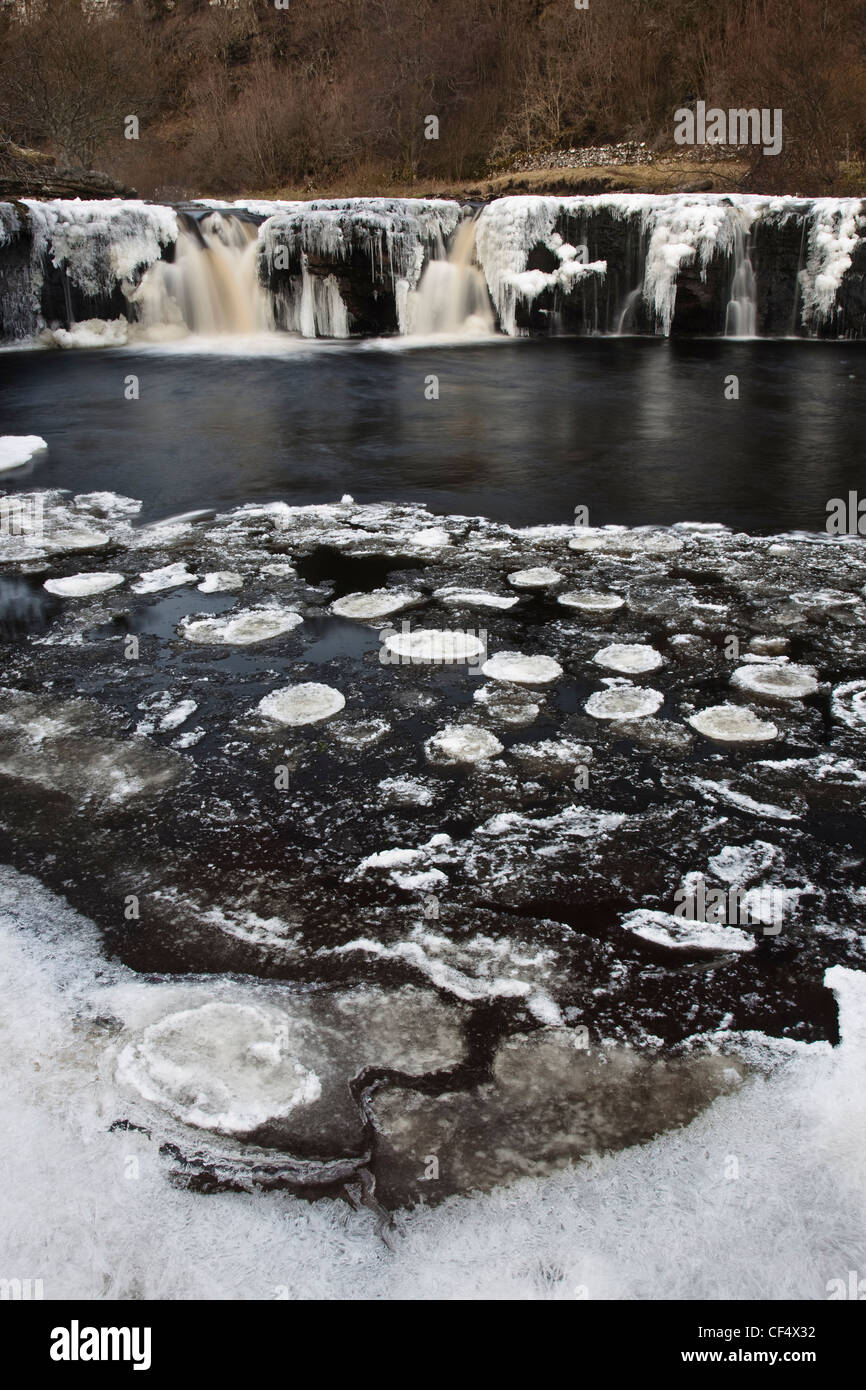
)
(478, 863)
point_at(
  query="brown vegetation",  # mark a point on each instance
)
(239, 95)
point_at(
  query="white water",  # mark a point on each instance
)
(211, 287)
(452, 297)
(741, 318)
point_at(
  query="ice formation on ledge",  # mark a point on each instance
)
(109, 272)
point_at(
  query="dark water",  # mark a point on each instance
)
(637, 430)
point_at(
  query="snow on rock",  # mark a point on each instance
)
(630, 658)
(774, 683)
(624, 702)
(733, 724)
(379, 603)
(241, 629)
(462, 743)
(83, 585)
(666, 929)
(164, 577)
(103, 243)
(307, 703)
(432, 645)
(539, 578)
(522, 670)
(18, 449)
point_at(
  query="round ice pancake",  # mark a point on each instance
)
(733, 724)
(624, 702)
(307, 703)
(775, 682)
(221, 1067)
(522, 670)
(630, 658)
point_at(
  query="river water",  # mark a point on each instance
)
(638, 430)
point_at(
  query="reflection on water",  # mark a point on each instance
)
(639, 431)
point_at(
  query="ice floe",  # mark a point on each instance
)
(379, 603)
(462, 743)
(621, 702)
(431, 645)
(83, 585)
(593, 602)
(774, 683)
(164, 577)
(541, 577)
(306, 703)
(519, 669)
(733, 724)
(18, 449)
(666, 929)
(241, 629)
(630, 658)
(221, 582)
(456, 596)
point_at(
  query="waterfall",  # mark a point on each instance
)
(211, 287)
(110, 271)
(451, 298)
(741, 315)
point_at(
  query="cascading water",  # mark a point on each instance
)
(452, 297)
(113, 271)
(741, 315)
(212, 285)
